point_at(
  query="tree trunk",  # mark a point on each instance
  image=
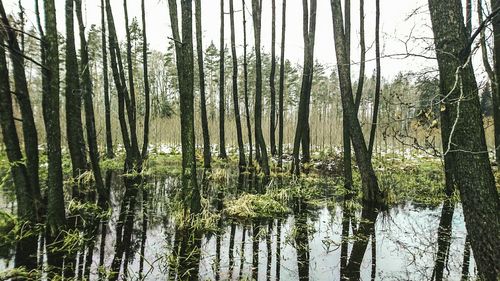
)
(241, 148)
(245, 85)
(56, 215)
(371, 191)
(107, 104)
(28, 125)
(376, 103)
(282, 87)
(146, 82)
(222, 84)
(201, 71)
(260, 143)
(467, 144)
(302, 129)
(26, 247)
(272, 125)
(73, 93)
(495, 93)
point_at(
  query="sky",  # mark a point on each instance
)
(405, 27)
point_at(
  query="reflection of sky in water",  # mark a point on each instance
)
(406, 245)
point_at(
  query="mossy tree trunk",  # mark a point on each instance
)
(462, 125)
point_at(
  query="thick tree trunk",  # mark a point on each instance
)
(371, 191)
(26, 247)
(189, 239)
(222, 84)
(282, 87)
(236, 102)
(260, 143)
(462, 123)
(56, 215)
(201, 71)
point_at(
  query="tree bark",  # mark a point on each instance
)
(371, 191)
(222, 84)
(146, 82)
(56, 215)
(272, 125)
(107, 103)
(236, 102)
(201, 71)
(282, 87)
(462, 122)
(26, 247)
(495, 4)
(245, 86)
(376, 102)
(259, 137)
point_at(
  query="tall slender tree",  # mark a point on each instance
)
(272, 76)
(73, 93)
(56, 215)
(245, 85)
(462, 125)
(281, 94)
(207, 155)
(147, 90)
(236, 101)
(495, 5)
(302, 129)
(26, 245)
(222, 84)
(260, 144)
(376, 102)
(371, 191)
(189, 252)
(107, 102)
(30, 134)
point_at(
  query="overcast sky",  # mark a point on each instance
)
(396, 27)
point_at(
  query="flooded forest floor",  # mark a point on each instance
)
(288, 228)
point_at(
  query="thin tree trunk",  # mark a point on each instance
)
(107, 104)
(362, 47)
(462, 122)
(376, 103)
(259, 137)
(30, 134)
(272, 76)
(495, 93)
(245, 85)
(222, 84)
(201, 71)
(147, 101)
(236, 102)
(282, 87)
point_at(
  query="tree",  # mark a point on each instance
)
(494, 74)
(29, 129)
(272, 126)
(26, 246)
(189, 252)
(222, 142)
(146, 82)
(282, 86)
(462, 128)
(245, 85)
(107, 103)
(371, 191)
(56, 214)
(203, 101)
(236, 101)
(376, 102)
(302, 130)
(260, 144)
(74, 128)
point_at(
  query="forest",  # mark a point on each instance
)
(249, 140)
